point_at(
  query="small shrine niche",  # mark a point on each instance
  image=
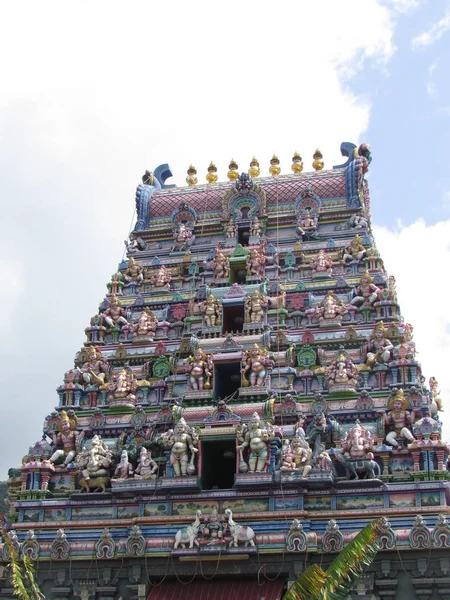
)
(233, 318)
(227, 378)
(218, 452)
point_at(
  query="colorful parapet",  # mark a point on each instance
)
(247, 399)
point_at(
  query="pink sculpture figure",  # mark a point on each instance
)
(94, 370)
(256, 363)
(133, 273)
(255, 227)
(366, 292)
(358, 443)
(199, 368)
(183, 236)
(307, 223)
(145, 325)
(255, 306)
(231, 229)
(256, 262)
(122, 386)
(400, 418)
(124, 469)
(181, 440)
(67, 438)
(162, 277)
(221, 265)
(147, 468)
(379, 348)
(256, 438)
(114, 314)
(321, 265)
(342, 374)
(355, 251)
(212, 310)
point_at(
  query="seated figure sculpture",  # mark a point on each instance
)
(321, 265)
(379, 348)
(181, 440)
(212, 310)
(94, 370)
(66, 440)
(122, 387)
(145, 325)
(114, 314)
(400, 419)
(366, 293)
(255, 307)
(183, 237)
(256, 262)
(161, 279)
(94, 463)
(255, 366)
(147, 468)
(329, 310)
(199, 366)
(358, 443)
(341, 374)
(355, 252)
(133, 273)
(124, 469)
(307, 224)
(256, 438)
(221, 265)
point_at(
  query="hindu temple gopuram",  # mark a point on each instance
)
(247, 399)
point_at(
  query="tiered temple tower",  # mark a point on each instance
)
(247, 399)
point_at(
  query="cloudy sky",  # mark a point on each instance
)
(93, 92)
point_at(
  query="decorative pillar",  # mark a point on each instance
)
(416, 457)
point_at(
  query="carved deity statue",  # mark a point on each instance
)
(341, 373)
(147, 468)
(358, 221)
(256, 437)
(67, 437)
(358, 443)
(95, 462)
(124, 469)
(145, 325)
(181, 440)
(256, 363)
(133, 273)
(400, 418)
(122, 386)
(256, 262)
(212, 310)
(183, 236)
(255, 306)
(161, 278)
(114, 314)
(366, 293)
(256, 227)
(436, 402)
(199, 366)
(307, 224)
(330, 309)
(355, 251)
(231, 229)
(321, 264)
(213, 529)
(379, 348)
(221, 265)
(94, 370)
(296, 456)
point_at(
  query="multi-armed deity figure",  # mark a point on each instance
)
(124, 469)
(66, 440)
(257, 438)
(355, 251)
(181, 440)
(133, 273)
(342, 374)
(161, 278)
(329, 310)
(399, 418)
(307, 224)
(321, 265)
(256, 363)
(379, 348)
(114, 315)
(147, 468)
(231, 229)
(183, 237)
(221, 265)
(94, 370)
(122, 387)
(256, 227)
(95, 461)
(255, 307)
(366, 293)
(212, 310)
(296, 456)
(358, 443)
(145, 325)
(199, 366)
(256, 263)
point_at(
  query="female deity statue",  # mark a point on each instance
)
(355, 252)
(67, 437)
(94, 370)
(221, 265)
(200, 369)
(256, 363)
(379, 349)
(256, 262)
(114, 315)
(212, 310)
(145, 325)
(231, 229)
(257, 438)
(181, 441)
(122, 387)
(341, 373)
(321, 265)
(400, 419)
(366, 293)
(255, 227)
(147, 468)
(133, 273)
(255, 306)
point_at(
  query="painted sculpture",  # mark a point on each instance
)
(183, 237)
(147, 467)
(145, 325)
(189, 535)
(355, 252)
(221, 265)
(356, 453)
(256, 437)
(400, 419)
(255, 307)
(231, 229)
(212, 310)
(379, 348)
(321, 265)
(256, 363)
(200, 367)
(122, 387)
(307, 224)
(342, 375)
(256, 227)
(161, 278)
(66, 440)
(94, 370)
(124, 469)
(256, 262)
(239, 533)
(133, 273)
(114, 315)
(366, 293)
(182, 441)
(93, 465)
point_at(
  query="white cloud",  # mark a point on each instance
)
(435, 32)
(419, 257)
(431, 85)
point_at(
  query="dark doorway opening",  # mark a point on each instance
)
(243, 235)
(227, 379)
(233, 319)
(218, 464)
(238, 272)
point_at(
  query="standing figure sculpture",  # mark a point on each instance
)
(255, 307)
(256, 263)
(67, 437)
(355, 251)
(400, 418)
(366, 293)
(256, 438)
(379, 349)
(181, 440)
(321, 265)
(231, 229)
(255, 365)
(255, 227)
(212, 310)
(199, 366)
(221, 265)
(94, 370)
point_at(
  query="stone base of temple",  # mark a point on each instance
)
(180, 483)
(253, 479)
(198, 395)
(331, 322)
(253, 391)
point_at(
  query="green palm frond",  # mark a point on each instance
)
(308, 586)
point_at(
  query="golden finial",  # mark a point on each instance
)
(211, 177)
(191, 179)
(274, 168)
(297, 163)
(254, 168)
(233, 173)
(318, 163)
